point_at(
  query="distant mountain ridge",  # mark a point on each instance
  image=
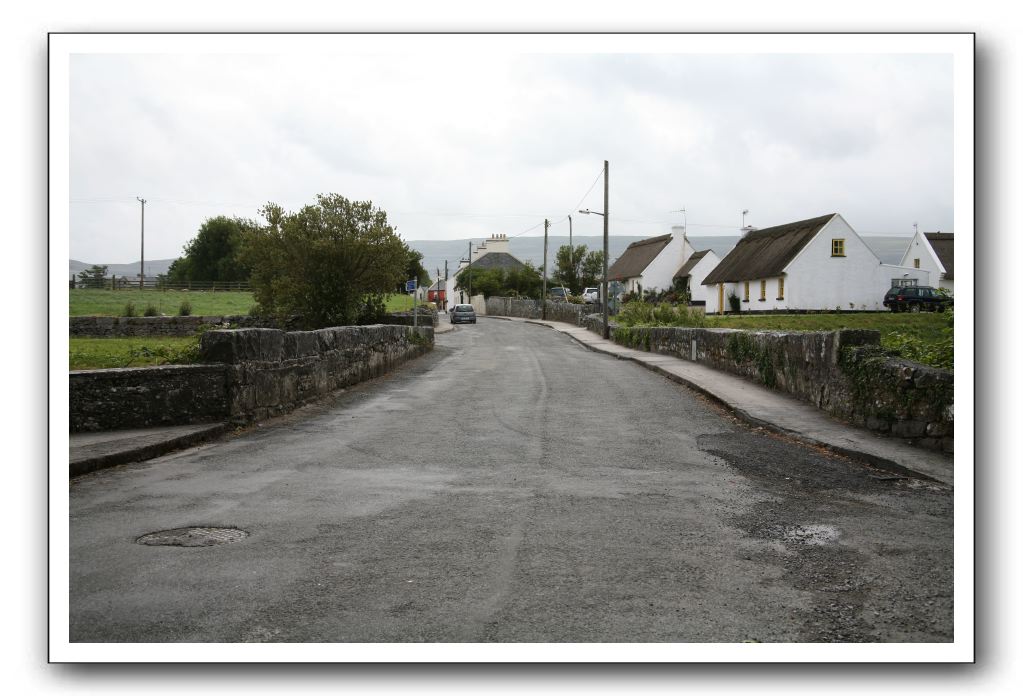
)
(435, 252)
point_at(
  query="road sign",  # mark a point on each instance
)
(410, 285)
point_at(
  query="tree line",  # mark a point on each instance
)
(333, 262)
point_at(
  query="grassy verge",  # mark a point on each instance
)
(925, 326)
(102, 353)
(110, 303)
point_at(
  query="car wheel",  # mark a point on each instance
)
(914, 308)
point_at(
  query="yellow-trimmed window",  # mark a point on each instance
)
(781, 288)
(916, 263)
(763, 290)
(746, 298)
(838, 247)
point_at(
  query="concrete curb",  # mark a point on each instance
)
(103, 455)
(866, 457)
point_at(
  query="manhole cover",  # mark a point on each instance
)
(193, 536)
(810, 534)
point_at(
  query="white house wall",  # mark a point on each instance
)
(701, 270)
(815, 279)
(659, 273)
(920, 248)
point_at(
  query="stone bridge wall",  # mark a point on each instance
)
(845, 373)
(246, 375)
(125, 327)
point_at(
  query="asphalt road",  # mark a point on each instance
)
(511, 486)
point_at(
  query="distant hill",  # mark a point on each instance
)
(131, 270)
(888, 249)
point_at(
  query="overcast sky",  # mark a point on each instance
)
(455, 147)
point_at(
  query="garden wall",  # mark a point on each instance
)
(530, 309)
(246, 375)
(845, 373)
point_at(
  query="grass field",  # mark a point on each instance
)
(110, 303)
(101, 353)
(927, 326)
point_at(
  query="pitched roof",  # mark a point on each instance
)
(941, 242)
(494, 259)
(765, 253)
(637, 257)
(690, 263)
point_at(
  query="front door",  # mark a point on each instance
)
(721, 298)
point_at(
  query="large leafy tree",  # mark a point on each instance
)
(415, 270)
(331, 263)
(591, 271)
(568, 267)
(92, 277)
(214, 252)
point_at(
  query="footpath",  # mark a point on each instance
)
(773, 410)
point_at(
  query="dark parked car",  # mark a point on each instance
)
(916, 298)
(463, 314)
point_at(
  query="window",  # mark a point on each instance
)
(763, 290)
(838, 247)
(916, 263)
(781, 288)
(746, 298)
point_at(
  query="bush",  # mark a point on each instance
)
(129, 310)
(644, 314)
(940, 353)
(151, 311)
(185, 309)
(733, 302)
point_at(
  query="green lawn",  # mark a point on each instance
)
(101, 353)
(111, 303)
(926, 326)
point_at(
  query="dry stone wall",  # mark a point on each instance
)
(143, 397)
(530, 309)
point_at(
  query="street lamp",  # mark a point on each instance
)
(607, 330)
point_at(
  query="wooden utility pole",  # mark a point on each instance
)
(543, 300)
(469, 271)
(142, 254)
(445, 285)
(607, 216)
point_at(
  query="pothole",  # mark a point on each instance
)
(807, 534)
(193, 536)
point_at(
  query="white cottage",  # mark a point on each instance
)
(651, 264)
(933, 252)
(697, 267)
(815, 264)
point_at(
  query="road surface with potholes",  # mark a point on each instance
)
(510, 486)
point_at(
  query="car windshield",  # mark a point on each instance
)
(463, 308)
